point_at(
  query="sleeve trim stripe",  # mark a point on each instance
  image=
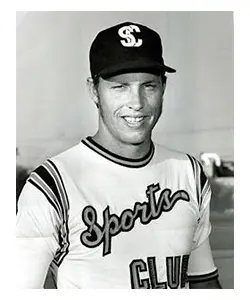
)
(45, 194)
(49, 181)
(203, 277)
(190, 158)
(202, 183)
(43, 187)
(59, 199)
(43, 173)
(60, 177)
(205, 190)
(203, 178)
(196, 176)
(64, 230)
(60, 186)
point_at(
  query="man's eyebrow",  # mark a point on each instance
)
(150, 81)
(119, 82)
(124, 82)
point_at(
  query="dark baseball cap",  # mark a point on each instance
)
(127, 47)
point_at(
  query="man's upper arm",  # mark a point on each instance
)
(202, 273)
(36, 238)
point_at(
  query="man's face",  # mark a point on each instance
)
(129, 106)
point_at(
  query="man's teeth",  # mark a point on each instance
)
(133, 120)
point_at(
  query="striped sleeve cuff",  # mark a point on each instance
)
(203, 277)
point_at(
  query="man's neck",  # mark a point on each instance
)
(132, 151)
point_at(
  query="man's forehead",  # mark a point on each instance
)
(134, 77)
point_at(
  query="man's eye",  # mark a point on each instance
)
(150, 86)
(117, 87)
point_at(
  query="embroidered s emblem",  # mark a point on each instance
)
(129, 39)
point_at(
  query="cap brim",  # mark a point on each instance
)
(136, 66)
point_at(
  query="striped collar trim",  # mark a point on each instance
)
(123, 161)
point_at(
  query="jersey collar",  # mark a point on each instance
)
(123, 161)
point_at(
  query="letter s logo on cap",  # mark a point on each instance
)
(125, 32)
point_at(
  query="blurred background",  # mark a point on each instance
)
(54, 111)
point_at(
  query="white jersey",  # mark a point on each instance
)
(99, 220)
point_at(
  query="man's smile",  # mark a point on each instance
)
(134, 121)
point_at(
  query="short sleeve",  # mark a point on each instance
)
(204, 226)
(201, 263)
(203, 196)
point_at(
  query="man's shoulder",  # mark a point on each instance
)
(175, 157)
(67, 156)
(70, 153)
(166, 153)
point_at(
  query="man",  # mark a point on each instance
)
(117, 210)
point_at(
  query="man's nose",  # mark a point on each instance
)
(136, 99)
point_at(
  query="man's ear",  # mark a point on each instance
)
(164, 84)
(93, 91)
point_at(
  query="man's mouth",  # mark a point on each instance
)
(134, 121)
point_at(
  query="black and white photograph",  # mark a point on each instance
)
(125, 149)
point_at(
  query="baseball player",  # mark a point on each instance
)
(118, 210)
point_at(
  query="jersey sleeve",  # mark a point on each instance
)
(201, 263)
(36, 237)
(41, 228)
(204, 196)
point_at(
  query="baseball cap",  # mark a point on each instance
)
(124, 48)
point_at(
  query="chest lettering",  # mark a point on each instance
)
(176, 273)
(147, 211)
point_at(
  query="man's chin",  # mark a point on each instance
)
(137, 143)
(137, 140)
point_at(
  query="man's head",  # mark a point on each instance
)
(128, 81)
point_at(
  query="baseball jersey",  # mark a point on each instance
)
(99, 220)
